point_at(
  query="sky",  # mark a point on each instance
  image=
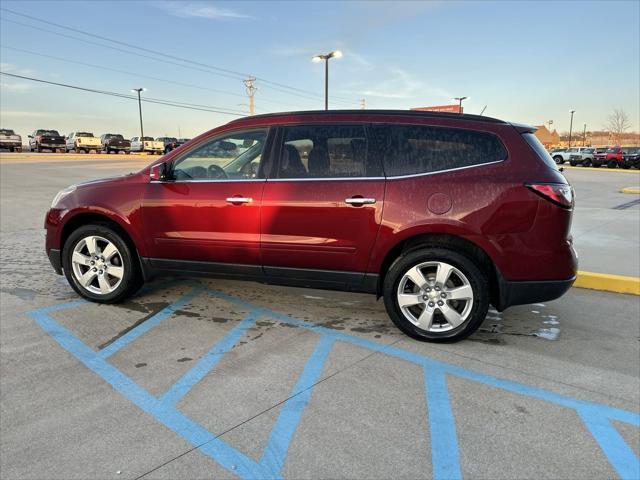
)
(527, 62)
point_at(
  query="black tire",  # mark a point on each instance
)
(558, 159)
(612, 164)
(586, 163)
(476, 277)
(38, 149)
(596, 164)
(573, 163)
(132, 278)
(626, 166)
(19, 149)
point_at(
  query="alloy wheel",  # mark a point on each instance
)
(97, 265)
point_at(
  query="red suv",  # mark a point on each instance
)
(611, 158)
(441, 214)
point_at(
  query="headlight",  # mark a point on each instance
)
(61, 194)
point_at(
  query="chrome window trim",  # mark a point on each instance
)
(223, 180)
(393, 177)
(324, 179)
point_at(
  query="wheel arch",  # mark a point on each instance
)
(454, 242)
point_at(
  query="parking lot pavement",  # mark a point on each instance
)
(224, 379)
(606, 223)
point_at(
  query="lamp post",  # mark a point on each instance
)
(139, 90)
(318, 59)
(584, 134)
(460, 99)
(571, 126)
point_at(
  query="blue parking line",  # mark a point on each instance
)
(150, 323)
(444, 444)
(275, 453)
(445, 459)
(194, 433)
(207, 362)
(622, 458)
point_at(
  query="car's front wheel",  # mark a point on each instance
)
(436, 294)
(612, 164)
(100, 265)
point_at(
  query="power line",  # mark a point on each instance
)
(164, 60)
(155, 52)
(169, 103)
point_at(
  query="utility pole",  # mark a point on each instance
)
(140, 109)
(584, 134)
(571, 126)
(363, 104)
(251, 91)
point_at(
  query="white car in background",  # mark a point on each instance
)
(82, 142)
(10, 140)
(147, 144)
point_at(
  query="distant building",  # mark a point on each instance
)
(440, 108)
(546, 137)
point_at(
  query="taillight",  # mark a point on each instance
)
(559, 193)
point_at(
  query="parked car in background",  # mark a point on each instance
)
(611, 157)
(114, 142)
(169, 143)
(10, 140)
(426, 209)
(559, 155)
(46, 139)
(147, 144)
(582, 156)
(599, 156)
(82, 142)
(630, 157)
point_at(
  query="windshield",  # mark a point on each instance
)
(601, 149)
(4, 131)
(48, 132)
(115, 136)
(84, 134)
(537, 147)
(589, 150)
(147, 139)
(613, 150)
(632, 150)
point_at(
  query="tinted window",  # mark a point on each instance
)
(4, 131)
(84, 134)
(325, 151)
(412, 149)
(534, 143)
(232, 156)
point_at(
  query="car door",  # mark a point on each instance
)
(206, 216)
(322, 210)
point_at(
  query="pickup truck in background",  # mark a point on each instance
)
(582, 156)
(114, 142)
(147, 144)
(630, 157)
(611, 157)
(46, 139)
(82, 142)
(10, 140)
(169, 143)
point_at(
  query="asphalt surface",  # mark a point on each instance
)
(224, 379)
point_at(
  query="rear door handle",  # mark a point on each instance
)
(239, 200)
(359, 201)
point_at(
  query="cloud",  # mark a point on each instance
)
(16, 87)
(198, 10)
(400, 84)
(11, 68)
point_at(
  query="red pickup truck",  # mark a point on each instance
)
(611, 158)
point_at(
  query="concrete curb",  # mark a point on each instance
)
(608, 283)
(630, 190)
(601, 169)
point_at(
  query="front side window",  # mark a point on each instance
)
(325, 151)
(414, 149)
(234, 156)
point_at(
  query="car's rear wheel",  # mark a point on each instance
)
(558, 159)
(612, 164)
(586, 163)
(100, 265)
(573, 163)
(436, 294)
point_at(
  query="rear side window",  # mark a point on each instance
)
(534, 143)
(325, 151)
(413, 149)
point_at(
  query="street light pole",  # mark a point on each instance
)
(460, 99)
(571, 126)
(584, 134)
(326, 58)
(139, 90)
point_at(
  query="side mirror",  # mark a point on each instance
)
(30, 136)
(158, 172)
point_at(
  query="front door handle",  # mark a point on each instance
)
(239, 200)
(359, 201)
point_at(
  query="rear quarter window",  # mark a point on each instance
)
(416, 149)
(534, 143)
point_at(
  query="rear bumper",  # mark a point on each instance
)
(522, 293)
(56, 260)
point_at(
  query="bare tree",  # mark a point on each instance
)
(618, 123)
